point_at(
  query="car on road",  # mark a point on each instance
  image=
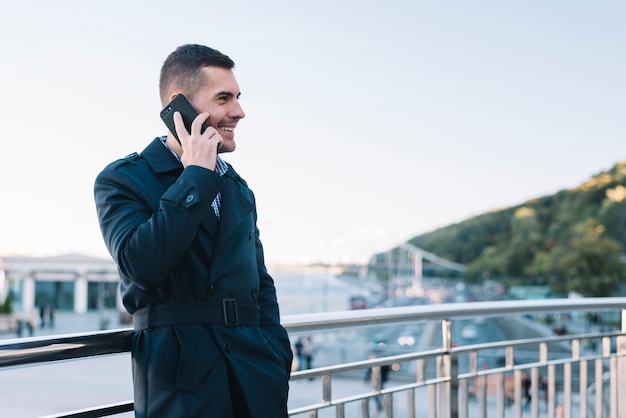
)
(469, 332)
(410, 335)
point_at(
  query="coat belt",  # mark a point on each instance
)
(228, 312)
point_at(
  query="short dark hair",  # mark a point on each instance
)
(182, 68)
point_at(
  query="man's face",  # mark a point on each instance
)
(220, 98)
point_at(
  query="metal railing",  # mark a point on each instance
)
(443, 380)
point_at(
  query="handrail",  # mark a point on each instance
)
(37, 350)
(382, 316)
(98, 411)
(69, 346)
(32, 350)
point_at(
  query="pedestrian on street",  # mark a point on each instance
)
(377, 383)
(299, 346)
(308, 350)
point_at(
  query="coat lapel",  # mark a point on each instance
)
(210, 224)
(236, 202)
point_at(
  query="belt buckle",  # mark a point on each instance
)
(229, 307)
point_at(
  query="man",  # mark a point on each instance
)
(181, 226)
(378, 381)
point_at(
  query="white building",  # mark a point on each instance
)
(71, 282)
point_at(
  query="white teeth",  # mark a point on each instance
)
(226, 128)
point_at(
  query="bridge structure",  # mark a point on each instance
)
(407, 260)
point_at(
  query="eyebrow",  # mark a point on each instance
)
(228, 93)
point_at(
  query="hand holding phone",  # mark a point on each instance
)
(201, 151)
(179, 104)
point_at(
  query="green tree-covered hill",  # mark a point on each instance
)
(572, 240)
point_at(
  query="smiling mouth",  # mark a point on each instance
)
(227, 128)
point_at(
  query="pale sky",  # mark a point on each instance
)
(368, 122)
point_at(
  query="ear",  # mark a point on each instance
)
(166, 101)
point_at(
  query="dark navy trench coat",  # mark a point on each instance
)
(171, 250)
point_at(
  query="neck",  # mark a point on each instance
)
(173, 144)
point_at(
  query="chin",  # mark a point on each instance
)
(230, 147)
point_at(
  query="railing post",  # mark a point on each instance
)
(454, 385)
(420, 377)
(599, 373)
(499, 378)
(509, 361)
(445, 398)
(365, 408)
(551, 390)
(388, 405)
(432, 400)
(543, 359)
(465, 385)
(410, 398)
(567, 391)
(613, 395)
(326, 389)
(621, 367)
(341, 411)
(583, 387)
(482, 398)
(517, 393)
(606, 353)
(449, 369)
(534, 392)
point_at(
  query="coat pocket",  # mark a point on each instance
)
(179, 357)
(187, 336)
(281, 348)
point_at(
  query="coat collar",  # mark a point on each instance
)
(160, 159)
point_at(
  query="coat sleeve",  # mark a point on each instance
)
(268, 301)
(147, 241)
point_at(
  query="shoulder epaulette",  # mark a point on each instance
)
(129, 159)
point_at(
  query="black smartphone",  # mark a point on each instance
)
(179, 104)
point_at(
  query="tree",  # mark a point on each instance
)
(7, 306)
(594, 268)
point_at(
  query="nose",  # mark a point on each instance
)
(237, 111)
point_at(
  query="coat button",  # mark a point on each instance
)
(212, 289)
(226, 347)
(254, 292)
(250, 236)
(190, 198)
